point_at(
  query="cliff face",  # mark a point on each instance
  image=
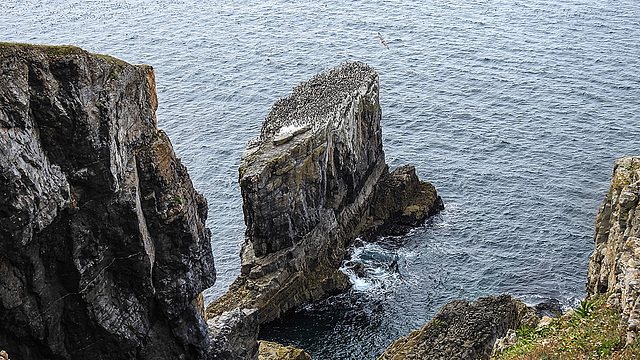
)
(103, 245)
(615, 263)
(463, 330)
(308, 185)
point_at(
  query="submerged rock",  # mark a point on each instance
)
(614, 266)
(464, 331)
(104, 246)
(312, 182)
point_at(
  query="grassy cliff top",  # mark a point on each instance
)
(50, 49)
(594, 330)
(58, 50)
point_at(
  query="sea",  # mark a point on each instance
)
(514, 110)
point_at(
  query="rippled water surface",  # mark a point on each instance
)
(514, 110)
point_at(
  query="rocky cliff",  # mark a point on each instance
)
(615, 263)
(463, 330)
(314, 180)
(103, 242)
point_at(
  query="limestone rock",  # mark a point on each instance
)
(234, 335)
(272, 351)
(505, 342)
(308, 184)
(104, 246)
(614, 266)
(463, 331)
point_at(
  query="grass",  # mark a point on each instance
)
(63, 50)
(593, 331)
(54, 50)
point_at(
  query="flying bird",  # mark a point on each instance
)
(383, 41)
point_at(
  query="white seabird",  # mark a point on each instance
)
(383, 41)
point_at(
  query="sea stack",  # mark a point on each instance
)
(313, 181)
(103, 241)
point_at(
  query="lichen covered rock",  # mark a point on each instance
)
(463, 330)
(308, 185)
(272, 351)
(104, 246)
(614, 266)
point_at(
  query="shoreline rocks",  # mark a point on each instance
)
(104, 246)
(314, 180)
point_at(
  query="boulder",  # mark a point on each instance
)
(234, 335)
(550, 307)
(272, 351)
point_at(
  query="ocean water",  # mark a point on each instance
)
(514, 110)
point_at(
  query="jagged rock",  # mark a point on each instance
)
(464, 331)
(4, 355)
(308, 185)
(234, 335)
(272, 351)
(400, 202)
(614, 266)
(104, 246)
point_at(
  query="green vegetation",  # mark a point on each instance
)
(437, 322)
(62, 50)
(119, 64)
(632, 168)
(178, 199)
(593, 331)
(625, 175)
(585, 309)
(54, 50)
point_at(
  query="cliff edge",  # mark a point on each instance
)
(314, 180)
(103, 240)
(614, 266)
(464, 330)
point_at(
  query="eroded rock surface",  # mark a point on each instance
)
(464, 331)
(103, 240)
(400, 203)
(614, 266)
(308, 185)
(234, 335)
